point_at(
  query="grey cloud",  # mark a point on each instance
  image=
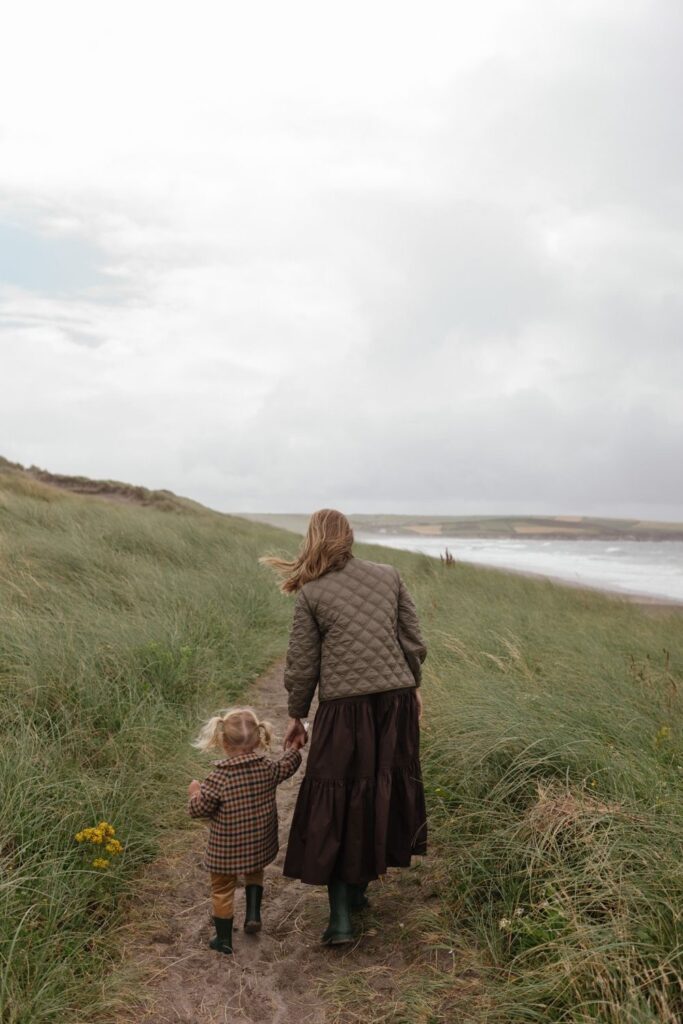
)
(447, 266)
(465, 300)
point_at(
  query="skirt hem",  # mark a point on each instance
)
(361, 806)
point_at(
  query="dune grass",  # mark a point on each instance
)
(551, 751)
(119, 627)
(553, 761)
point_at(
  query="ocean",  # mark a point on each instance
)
(647, 568)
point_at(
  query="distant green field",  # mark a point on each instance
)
(547, 527)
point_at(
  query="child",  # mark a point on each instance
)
(239, 798)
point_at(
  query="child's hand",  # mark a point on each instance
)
(194, 789)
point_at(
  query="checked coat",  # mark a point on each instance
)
(238, 797)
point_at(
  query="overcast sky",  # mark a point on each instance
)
(380, 256)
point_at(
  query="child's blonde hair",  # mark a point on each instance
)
(234, 729)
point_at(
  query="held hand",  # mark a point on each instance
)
(194, 789)
(296, 735)
(296, 744)
(418, 698)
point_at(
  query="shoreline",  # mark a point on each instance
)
(296, 523)
(649, 601)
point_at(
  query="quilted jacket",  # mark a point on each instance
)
(355, 630)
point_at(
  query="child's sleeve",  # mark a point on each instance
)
(206, 802)
(286, 766)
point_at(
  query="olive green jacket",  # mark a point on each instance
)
(355, 630)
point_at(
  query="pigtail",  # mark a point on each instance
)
(234, 729)
(210, 734)
(265, 731)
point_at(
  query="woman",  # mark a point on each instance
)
(356, 638)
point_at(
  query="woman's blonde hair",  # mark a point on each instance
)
(235, 729)
(327, 545)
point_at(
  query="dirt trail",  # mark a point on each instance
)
(274, 977)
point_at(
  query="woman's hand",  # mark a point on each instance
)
(296, 736)
(194, 789)
(418, 698)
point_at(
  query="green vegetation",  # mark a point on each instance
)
(119, 626)
(553, 759)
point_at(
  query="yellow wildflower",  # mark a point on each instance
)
(114, 847)
(662, 735)
(100, 862)
(97, 834)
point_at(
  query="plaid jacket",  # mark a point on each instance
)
(239, 798)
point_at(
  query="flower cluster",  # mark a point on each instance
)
(101, 835)
(662, 735)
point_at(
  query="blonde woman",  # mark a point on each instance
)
(356, 638)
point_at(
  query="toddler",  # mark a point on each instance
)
(239, 798)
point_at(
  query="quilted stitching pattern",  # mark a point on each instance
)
(354, 631)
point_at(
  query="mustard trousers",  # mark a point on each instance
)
(223, 891)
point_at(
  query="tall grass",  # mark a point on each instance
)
(552, 753)
(119, 625)
(553, 758)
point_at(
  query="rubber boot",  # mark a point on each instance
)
(357, 898)
(339, 929)
(252, 921)
(222, 941)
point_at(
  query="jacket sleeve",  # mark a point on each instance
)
(302, 663)
(206, 803)
(409, 635)
(286, 765)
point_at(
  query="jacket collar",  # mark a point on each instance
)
(253, 755)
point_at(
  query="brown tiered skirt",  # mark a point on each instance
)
(361, 805)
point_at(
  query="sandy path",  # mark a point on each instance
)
(268, 979)
(283, 975)
(274, 977)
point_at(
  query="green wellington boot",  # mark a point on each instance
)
(357, 898)
(222, 941)
(252, 921)
(339, 929)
